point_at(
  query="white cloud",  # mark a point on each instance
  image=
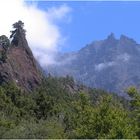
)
(43, 34)
(57, 14)
(124, 57)
(102, 66)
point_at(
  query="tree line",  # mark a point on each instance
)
(50, 112)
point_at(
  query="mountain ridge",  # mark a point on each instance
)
(111, 64)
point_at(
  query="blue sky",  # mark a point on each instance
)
(96, 20)
(69, 25)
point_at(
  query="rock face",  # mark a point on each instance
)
(111, 64)
(20, 66)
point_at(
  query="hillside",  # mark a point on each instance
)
(111, 64)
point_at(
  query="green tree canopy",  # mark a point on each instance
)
(135, 107)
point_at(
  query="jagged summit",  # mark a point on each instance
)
(125, 38)
(17, 63)
(111, 37)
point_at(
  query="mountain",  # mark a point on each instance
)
(59, 108)
(17, 63)
(111, 64)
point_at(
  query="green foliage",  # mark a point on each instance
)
(132, 91)
(103, 121)
(42, 129)
(135, 106)
(51, 112)
(45, 106)
(112, 121)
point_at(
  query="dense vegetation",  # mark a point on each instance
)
(52, 111)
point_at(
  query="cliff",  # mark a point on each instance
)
(19, 65)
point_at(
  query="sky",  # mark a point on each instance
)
(95, 20)
(66, 26)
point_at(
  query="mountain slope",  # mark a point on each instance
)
(111, 64)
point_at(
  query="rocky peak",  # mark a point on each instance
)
(126, 39)
(111, 36)
(20, 66)
(123, 37)
(110, 41)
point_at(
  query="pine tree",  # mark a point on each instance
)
(17, 32)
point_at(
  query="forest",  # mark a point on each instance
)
(53, 111)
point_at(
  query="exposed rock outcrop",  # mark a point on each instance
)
(20, 65)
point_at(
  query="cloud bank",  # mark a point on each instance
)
(102, 66)
(43, 34)
(120, 59)
(124, 57)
